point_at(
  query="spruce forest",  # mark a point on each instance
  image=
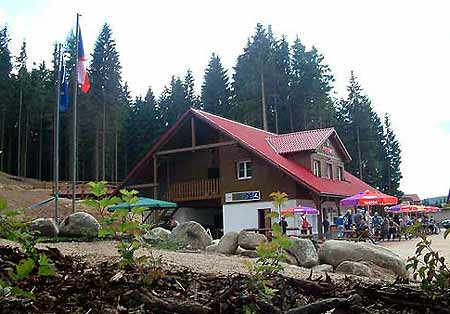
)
(292, 85)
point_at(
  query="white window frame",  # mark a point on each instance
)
(316, 170)
(329, 174)
(340, 172)
(244, 162)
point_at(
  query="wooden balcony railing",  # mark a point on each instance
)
(194, 190)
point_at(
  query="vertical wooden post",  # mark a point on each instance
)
(155, 178)
(318, 202)
(194, 140)
(338, 206)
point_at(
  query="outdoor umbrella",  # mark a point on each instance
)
(144, 202)
(300, 210)
(368, 198)
(403, 208)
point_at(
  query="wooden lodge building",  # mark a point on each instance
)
(221, 172)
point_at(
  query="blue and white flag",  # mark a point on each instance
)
(64, 90)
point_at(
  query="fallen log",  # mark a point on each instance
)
(325, 305)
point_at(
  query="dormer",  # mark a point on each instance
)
(321, 151)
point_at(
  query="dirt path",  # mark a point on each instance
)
(407, 248)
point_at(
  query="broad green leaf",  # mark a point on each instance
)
(46, 268)
(98, 188)
(273, 214)
(92, 203)
(22, 293)
(24, 268)
(106, 231)
(138, 210)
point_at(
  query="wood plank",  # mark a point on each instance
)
(193, 148)
(194, 140)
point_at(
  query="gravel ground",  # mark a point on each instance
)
(215, 263)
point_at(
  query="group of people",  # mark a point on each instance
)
(386, 227)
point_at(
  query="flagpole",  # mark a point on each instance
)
(75, 146)
(58, 103)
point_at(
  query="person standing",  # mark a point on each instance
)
(340, 226)
(283, 223)
(326, 228)
(305, 225)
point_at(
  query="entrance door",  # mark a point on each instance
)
(264, 221)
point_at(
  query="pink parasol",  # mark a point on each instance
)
(368, 197)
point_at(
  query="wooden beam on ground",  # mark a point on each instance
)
(199, 147)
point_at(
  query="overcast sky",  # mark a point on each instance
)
(400, 50)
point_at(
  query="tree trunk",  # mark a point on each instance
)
(104, 140)
(19, 135)
(40, 147)
(25, 150)
(263, 102)
(2, 141)
(291, 118)
(359, 153)
(116, 157)
(97, 157)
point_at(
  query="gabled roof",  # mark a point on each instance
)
(412, 197)
(256, 141)
(309, 140)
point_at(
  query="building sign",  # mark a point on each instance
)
(246, 196)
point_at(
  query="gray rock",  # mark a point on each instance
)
(323, 268)
(250, 240)
(158, 234)
(335, 252)
(211, 248)
(249, 253)
(228, 243)
(305, 252)
(354, 268)
(79, 224)
(290, 259)
(45, 226)
(192, 234)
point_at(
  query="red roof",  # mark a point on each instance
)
(412, 197)
(257, 141)
(299, 141)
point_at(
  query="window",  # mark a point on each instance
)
(316, 168)
(244, 170)
(340, 173)
(329, 171)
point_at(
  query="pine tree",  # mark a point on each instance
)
(251, 76)
(359, 126)
(104, 101)
(172, 101)
(391, 170)
(216, 93)
(6, 93)
(192, 100)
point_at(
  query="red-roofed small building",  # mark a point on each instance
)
(413, 199)
(221, 172)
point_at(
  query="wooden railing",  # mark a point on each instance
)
(194, 190)
(82, 188)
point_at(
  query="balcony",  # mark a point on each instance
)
(194, 190)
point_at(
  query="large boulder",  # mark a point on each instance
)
(79, 224)
(335, 252)
(323, 268)
(305, 252)
(228, 243)
(157, 234)
(192, 234)
(250, 240)
(45, 226)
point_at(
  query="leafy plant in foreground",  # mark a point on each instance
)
(13, 229)
(124, 224)
(428, 265)
(270, 255)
